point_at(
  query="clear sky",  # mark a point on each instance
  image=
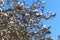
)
(52, 5)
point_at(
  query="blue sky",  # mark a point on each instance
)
(52, 5)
